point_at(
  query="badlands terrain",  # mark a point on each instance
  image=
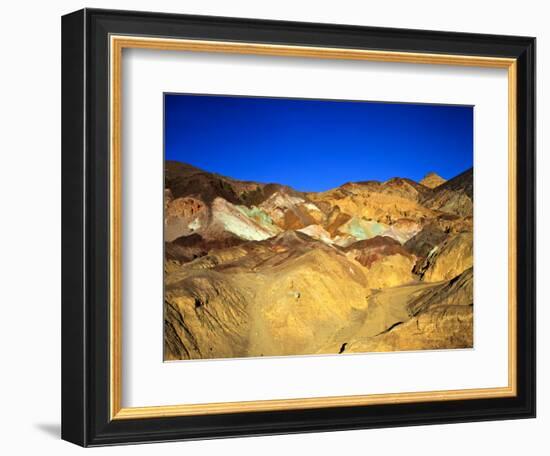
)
(255, 269)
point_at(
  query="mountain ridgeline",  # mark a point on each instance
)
(255, 269)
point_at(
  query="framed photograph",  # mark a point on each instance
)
(278, 227)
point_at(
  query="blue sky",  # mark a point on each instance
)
(315, 145)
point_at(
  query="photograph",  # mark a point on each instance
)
(316, 226)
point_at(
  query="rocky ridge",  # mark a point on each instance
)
(255, 269)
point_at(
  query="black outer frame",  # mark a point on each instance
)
(85, 227)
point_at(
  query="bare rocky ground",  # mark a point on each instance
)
(264, 270)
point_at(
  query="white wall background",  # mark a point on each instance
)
(30, 194)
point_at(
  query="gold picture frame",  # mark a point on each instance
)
(117, 46)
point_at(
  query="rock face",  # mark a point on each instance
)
(456, 196)
(424, 241)
(448, 259)
(257, 269)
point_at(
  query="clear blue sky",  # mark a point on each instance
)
(315, 145)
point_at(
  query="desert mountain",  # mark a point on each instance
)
(456, 196)
(254, 269)
(432, 180)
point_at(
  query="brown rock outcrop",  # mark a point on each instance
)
(448, 259)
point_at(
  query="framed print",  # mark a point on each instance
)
(276, 227)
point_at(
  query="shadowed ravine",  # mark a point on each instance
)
(264, 270)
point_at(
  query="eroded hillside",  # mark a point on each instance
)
(257, 269)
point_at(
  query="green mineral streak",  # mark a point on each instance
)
(241, 228)
(257, 214)
(363, 229)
